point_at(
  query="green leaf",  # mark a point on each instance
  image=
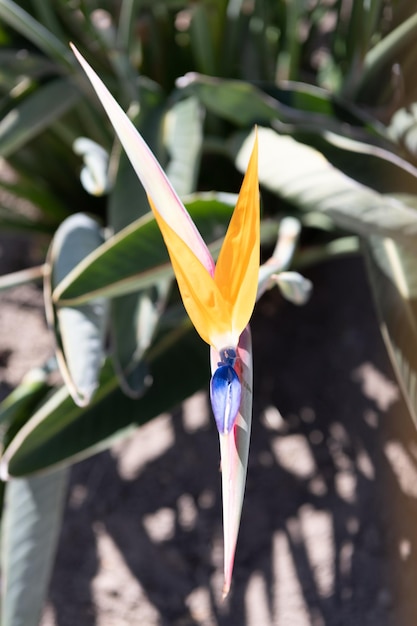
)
(134, 317)
(61, 432)
(375, 165)
(30, 531)
(237, 101)
(385, 54)
(19, 223)
(46, 13)
(403, 128)
(183, 138)
(35, 113)
(290, 106)
(127, 200)
(22, 401)
(289, 57)
(36, 193)
(305, 178)
(18, 65)
(26, 25)
(80, 331)
(393, 275)
(136, 257)
(133, 321)
(201, 39)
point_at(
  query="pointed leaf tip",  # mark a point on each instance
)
(225, 394)
(165, 200)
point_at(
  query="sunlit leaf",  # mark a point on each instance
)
(305, 178)
(403, 128)
(183, 138)
(136, 258)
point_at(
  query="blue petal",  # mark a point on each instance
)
(225, 392)
(228, 356)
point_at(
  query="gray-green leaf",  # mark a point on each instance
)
(302, 176)
(80, 330)
(31, 526)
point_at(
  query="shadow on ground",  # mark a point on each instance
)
(328, 529)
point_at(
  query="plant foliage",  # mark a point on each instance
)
(332, 90)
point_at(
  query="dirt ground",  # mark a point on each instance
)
(328, 534)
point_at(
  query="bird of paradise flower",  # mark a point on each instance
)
(219, 299)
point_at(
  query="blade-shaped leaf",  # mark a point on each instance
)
(291, 103)
(202, 38)
(134, 319)
(19, 19)
(17, 407)
(403, 128)
(30, 530)
(304, 177)
(35, 113)
(19, 65)
(80, 331)
(377, 166)
(136, 258)
(36, 193)
(393, 274)
(183, 140)
(61, 432)
(385, 54)
(237, 101)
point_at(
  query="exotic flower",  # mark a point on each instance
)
(219, 299)
(220, 302)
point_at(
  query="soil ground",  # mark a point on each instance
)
(328, 534)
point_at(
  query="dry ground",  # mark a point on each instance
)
(328, 534)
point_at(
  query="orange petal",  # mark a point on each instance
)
(237, 268)
(203, 301)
